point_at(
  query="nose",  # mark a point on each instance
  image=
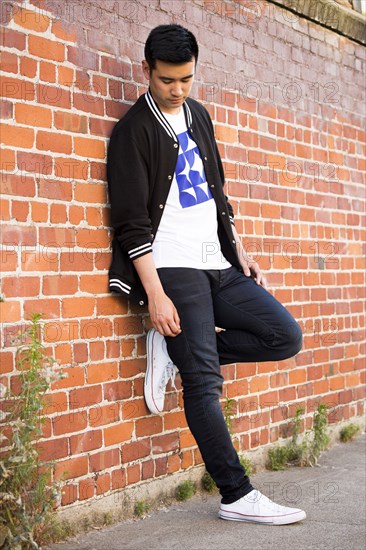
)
(177, 90)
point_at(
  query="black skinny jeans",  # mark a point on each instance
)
(258, 328)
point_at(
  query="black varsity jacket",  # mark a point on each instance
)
(141, 161)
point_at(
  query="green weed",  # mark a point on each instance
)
(27, 497)
(141, 509)
(186, 490)
(349, 432)
(308, 451)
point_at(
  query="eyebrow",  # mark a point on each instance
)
(162, 77)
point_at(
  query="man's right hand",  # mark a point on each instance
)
(163, 314)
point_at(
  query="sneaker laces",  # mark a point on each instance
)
(169, 374)
(257, 497)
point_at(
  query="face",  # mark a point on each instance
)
(170, 84)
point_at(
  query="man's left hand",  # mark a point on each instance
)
(252, 269)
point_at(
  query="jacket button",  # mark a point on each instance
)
(141, 302)
(176, 145)
(212, 186)
(169, 177)
(161, 206)
(223, 213)
(205, 158)
(234, 241)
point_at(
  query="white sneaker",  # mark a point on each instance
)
(159, 370)
(257, 508)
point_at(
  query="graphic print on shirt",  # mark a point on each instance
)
(190, 173)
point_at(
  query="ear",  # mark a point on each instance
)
(146, 69)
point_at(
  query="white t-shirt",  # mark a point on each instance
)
(187, 234)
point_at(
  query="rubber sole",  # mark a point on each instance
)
(279, 520)
(149, 376)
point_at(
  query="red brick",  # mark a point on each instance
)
(65, 76)
(149, 426)
(12, 235)
(116, 391)
(16, 88)
(45, 48)
(33, 162)
(103, 484)
(147, 467)
(90, 193)
(20, 211)
(104, 414)
(88, 103)
(112, 66)
(77, 307)
(85, 442)
(135, 450)
(161, 466)
(133, 474)
(6, 109)
(49, 309)
(31, 20)
(53, 95)
(95, 328)
(54, 449)
(58, 214)
(69, 493)
(49, 141)
(71, 168)
(73, 376)
(165, 443)
(28, 67)
(90, 148)
(8, 62)
(72, 468)
(47, 71)
(9, 311)
(118, 478)
(85, 397)
(69, 423)
(134, 408)
(71, 122)
(118, 433)
(64, 31)
(86, 488)
(59, 285)
(12, 39)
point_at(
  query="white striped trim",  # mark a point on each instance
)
(140, 250)
(161, 118)
(119, 286)
(158, 115)
(189, 114)
(120, 283)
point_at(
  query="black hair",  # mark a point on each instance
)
(172, 44)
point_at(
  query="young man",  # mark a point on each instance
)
(175, 234)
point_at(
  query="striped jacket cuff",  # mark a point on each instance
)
(119, 286)
(140, 251)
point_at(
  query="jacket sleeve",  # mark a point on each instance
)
(220, 167)
(128, 186)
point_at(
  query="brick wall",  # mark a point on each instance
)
(285, 96)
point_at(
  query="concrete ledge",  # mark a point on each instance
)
(329, 14)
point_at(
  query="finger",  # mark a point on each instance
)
(246, 270)
(263, 282)
(170, 331)
(176, 319)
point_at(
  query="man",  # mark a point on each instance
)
(175, 234)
